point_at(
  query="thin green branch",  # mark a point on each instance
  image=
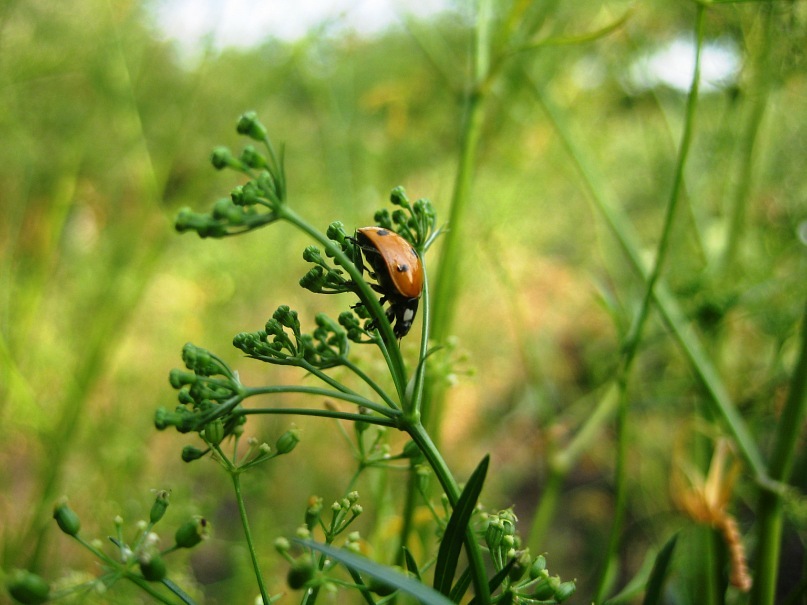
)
(380, 421)
(371, 383)
(687, 339)
(320, 392)
(769, 510)
(366, 295)
(242, 511)
(449, 484)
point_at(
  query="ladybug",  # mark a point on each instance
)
(397, 268)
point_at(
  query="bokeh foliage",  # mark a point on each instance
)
(105, 134)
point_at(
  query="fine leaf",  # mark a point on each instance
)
(382, 573)
(659, 573)
(451, 546)
(411, 564)
(495, 581)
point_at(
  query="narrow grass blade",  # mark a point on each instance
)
(382, 573)
(495, 581)
(461, 587)
(451, 545)
(659, 573)
(411, 564)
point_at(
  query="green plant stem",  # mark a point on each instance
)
(562, 462)
(747, 143)
(634, 336)
(320, 392)
(550, 496)
(366, 295)
(236, 476)
(667, 305)
(449, 274)
(429, 449)
(769, 508)
(370, 382)
(320, 413)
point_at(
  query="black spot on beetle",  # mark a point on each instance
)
(382, 232)
(402, 268)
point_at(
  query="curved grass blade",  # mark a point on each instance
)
(382, 573)
(454, 536)
(494, 583)
(461, 587)
(659, 573)
(411, 564)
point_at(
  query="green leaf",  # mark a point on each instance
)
(451, 545)
(411, 564)
(421, 592)
(461, 587)
(636, 584)
(659, 573)
(495, 581)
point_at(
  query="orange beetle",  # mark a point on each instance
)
(397, 268)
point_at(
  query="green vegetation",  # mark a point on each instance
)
(614, 305)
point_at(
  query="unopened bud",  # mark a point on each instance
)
(288, 441)
(153, 568)
(564, 591)
(26, 587)
(191, 453)
(159, 507)
(214, 432)
(300, 573)
(66, 518)
(192, 532)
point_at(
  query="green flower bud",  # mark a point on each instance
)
(249, 125)
(66, 518)
(543, 590)
(313, 512)
(191, 453)
(286, 317)
(26, 587)
(152, 567)
(398, 197)
(300, 572)
(192, 532)
(336, 232)
(494, 533)
(382, 219)
(312, 254)
(288, 441)
(564, 591)
(214, 432)
(538, 567)
(253, 159)
(160, 506)
(180, 378)
(521, 565)
(162, 419)
(223, 158)
(282, 545)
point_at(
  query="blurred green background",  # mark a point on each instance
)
(106, 130)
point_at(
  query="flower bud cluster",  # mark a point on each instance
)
(143, 552)
(283, 342)
(528, 577)
(202, 391)
(251, 205)
(415, 222)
